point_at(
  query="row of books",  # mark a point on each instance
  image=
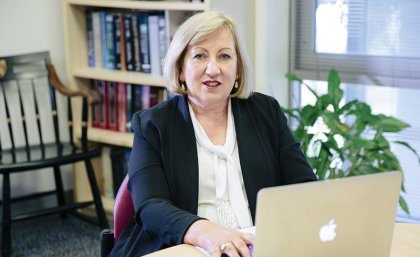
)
(127, 40)
(120, 100)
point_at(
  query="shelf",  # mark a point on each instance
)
(110, 137)
(143, 5)
(120, 76)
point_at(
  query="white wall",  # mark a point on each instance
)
(29, 26)
(272, 48)
(264, 24)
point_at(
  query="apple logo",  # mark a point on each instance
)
(327, 232)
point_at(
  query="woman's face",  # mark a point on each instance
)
(209, 70)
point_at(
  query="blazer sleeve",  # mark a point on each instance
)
(149, 187)
(294, 167)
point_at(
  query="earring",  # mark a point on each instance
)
(236, 84)
(182, 85)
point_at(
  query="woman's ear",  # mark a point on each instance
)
(181, 76)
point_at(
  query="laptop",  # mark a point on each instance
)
(347, 217)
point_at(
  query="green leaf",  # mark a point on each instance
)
(293, 77)
(332, 120)
(403, 205)
(309, 115)
(348, 106)
(388, 123)
(334, 90)
(409, 147)
(323, 102)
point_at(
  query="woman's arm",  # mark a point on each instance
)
(149, 186)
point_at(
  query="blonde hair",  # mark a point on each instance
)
(193, 31)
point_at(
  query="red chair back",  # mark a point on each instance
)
(123, 208)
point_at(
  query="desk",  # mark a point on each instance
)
(406, 243)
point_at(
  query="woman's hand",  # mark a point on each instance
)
(218, 240)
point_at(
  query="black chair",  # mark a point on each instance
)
(29, 95)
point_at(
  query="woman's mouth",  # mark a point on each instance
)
(211, 84)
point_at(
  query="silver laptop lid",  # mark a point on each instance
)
(351, 217)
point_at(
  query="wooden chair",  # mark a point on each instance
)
(30, 92)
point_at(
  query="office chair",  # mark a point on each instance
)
(123, 213)
(29, 95)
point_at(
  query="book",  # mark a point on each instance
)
(122, 107)
(96, 107)
(102, 15)
(129, 105)
(154, 96)
(153, 29)
(90, 39)
(102, 110)
(137, 103)
(136, 43)
(109, 44)
(112, 103)
(145, 96)
(163, 39)
(129, 43)
(118, 40)
(144, 42)
(97, 38)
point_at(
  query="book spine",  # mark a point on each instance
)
(129, 106)
(163, 40)
(103, 39)
(103, 101)
(153, 96)
(137, 98)
(97, 38)
(129, 47)
(109, 23)
(90, 39)
(117, 40)
(136, 42)
(112, 106)
(123, 46)
(144, 42)
(122, 107)
(145, 97)
(154, 44)
(96, 107)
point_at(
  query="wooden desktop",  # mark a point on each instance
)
(406, 243)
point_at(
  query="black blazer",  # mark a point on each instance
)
(163, 167)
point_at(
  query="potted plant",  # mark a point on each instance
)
(345, 139)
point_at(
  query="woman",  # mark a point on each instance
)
(199, 158)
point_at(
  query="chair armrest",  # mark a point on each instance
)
(91, 95)
(107, 242)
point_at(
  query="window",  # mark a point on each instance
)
(372, 41)
(374, 46)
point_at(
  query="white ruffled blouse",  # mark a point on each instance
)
(221, 194)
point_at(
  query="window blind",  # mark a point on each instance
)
(367, 41)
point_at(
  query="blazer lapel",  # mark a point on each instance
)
(183, 161)
(255, 170)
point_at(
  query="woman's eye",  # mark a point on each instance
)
(199, 56)
(224, 57)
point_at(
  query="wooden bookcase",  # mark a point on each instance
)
(79, 74)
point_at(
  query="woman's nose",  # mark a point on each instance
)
(213, 67)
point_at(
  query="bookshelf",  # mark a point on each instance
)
(79, 74)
